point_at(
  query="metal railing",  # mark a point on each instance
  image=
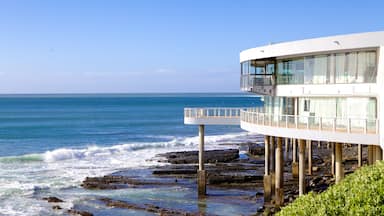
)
(347, 125)
(253, 81)
(212, 112)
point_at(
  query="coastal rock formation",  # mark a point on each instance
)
(52, 199)
(78, 212)
(109, 182)
(144, 207)
(190, 157)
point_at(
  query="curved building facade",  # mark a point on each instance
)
(325, 89)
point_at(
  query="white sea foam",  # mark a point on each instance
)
(22, 178)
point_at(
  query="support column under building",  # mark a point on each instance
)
(279, 169)
(379, 153)
(359, 155)
(267, 174)
(339, 162)
(272, 161)
(201, 174)
(301, 167)
(370, 155)
(295, 165)
(309, 144)
(333, 159)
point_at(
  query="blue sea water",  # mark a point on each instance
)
(50, 143)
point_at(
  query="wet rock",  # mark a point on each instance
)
(117, 182)
(255, 149)
(52, 199)
(56, 207)
(215, 179)
(78, 212)
(144, 207)
(189, 157)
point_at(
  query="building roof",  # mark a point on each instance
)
(316, 46)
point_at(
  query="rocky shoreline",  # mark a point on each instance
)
(226, 169)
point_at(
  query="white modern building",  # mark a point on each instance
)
(326, 89)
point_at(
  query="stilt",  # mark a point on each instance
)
(295, 165)
(333, 159)
(267, 176)
(370, 154)
(379, 153)
(309, 144)
(339, 162)
(201, 175)
(301, 167)
(359, 155)
(286, 147)
(279, 188)
(272, 161)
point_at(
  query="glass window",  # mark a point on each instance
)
(351, 67)
(366, 69)
(340, 75)
(270, 69)
(244, 68)
(290, 71)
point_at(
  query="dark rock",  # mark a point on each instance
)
(56, 207)
(189, 157)
(53, 199)
(228, 179)
(117, 182)
(78, 212)
(145, 207)
(255, 149)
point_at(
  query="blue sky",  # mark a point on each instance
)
(79, 46)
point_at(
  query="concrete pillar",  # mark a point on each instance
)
(272, 167)
(333, 159)
(201, 174)
(267, 175)
(279, 169)
(370, 154)
(295, 165)
(294, 151)
(301, 167)
(339, 162)
(379, 154)
(359, 155)
(286, 147)
(309, 145)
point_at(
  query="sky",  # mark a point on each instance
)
(112, 46)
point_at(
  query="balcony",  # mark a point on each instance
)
(344, 130)
(259, 84)
(212, 116)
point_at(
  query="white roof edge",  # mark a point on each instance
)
(316, 45)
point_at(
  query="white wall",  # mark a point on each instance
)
(317, 45)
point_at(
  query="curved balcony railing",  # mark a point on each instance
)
(212, 116)
(347, 125)
(220, 112)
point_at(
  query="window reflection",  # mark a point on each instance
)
(349, 67)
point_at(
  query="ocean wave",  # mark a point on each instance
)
(22, 159)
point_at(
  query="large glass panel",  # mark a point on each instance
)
(331, 68)
(340, 75)
(244, 68)
(309, 64)
(270, 69)
(366, 70)
(351, 67)
(320, 69)
(291, 71)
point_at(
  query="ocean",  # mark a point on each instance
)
(50, 143)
